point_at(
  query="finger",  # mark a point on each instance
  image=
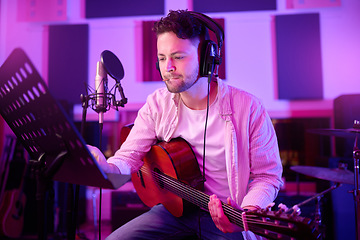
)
(218, 207)
(214, 206)
(231, 202)
(211, 204)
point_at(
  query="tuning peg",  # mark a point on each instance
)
(296, 210)
(283, 207)
(269, 206)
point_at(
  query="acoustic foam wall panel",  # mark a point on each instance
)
(117, 8)
(150, 73)
(298, 52)
(68, 61)
(298, 4)
(233, 5)
(346, 111)
(41, 10)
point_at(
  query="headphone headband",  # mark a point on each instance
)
(212, 25)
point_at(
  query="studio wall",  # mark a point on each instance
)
(251, 45)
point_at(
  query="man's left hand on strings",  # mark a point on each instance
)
(221, 221)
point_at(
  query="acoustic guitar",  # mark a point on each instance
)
(171, 176)
(12, 213)
(12, 202)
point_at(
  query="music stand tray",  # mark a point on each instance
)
(44, 129)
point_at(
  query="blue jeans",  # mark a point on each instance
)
(158, 223)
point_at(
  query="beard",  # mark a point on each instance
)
(178, 83)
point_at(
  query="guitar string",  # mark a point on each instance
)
(169, 182)
(203, 198)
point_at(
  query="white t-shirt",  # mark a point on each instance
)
(191, 128)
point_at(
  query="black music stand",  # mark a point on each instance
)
(58, 151)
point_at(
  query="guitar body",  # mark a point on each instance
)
(11, 213)
(175, 159)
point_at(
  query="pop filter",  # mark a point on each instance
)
(112, 65)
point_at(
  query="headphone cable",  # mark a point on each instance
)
(204, 146)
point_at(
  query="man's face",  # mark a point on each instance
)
(178, 61)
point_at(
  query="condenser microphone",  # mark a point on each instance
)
(101, 90)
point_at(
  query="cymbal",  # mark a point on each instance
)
(330, 174)
(345, 133)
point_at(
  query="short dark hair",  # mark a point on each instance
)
(182, 23)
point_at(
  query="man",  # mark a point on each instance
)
(242, 163)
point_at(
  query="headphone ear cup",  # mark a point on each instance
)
(208, 57)
(158, 67)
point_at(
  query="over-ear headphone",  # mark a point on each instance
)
(210, 51)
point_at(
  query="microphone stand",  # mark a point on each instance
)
(356, 192)
(296, 208)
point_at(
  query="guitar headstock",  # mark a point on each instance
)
(280, 225)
